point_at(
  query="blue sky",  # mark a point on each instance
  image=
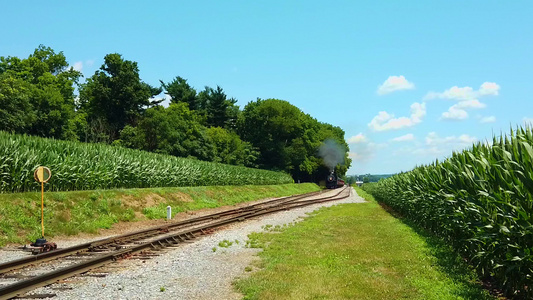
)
(408, 81)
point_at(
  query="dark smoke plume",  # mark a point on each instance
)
(332, 153)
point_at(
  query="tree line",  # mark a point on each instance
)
(114, 106)
(366, 178)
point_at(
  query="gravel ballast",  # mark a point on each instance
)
(198, 270)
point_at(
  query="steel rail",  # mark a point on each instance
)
(24, 286)
(46, 256)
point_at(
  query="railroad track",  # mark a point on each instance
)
(101, 252)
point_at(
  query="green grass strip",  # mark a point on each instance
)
(356, 251)
(70, 213)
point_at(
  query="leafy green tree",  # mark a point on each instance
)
(49, 88)
(311, 165)
(271, 126)
(230, 149)
(16, 112)
(115, 96)
(180, 91)
(288, 139)
(174, 130)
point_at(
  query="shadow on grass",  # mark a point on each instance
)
(451, 263)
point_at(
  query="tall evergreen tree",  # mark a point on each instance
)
(217, 108)
(180, 91)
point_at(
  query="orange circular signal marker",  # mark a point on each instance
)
(42, 174)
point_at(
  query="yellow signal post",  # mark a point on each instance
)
(42, 175)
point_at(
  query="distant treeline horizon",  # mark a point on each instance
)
(367, 177)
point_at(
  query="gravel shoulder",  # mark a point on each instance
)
(190, 271)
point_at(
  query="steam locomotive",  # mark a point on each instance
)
(333, 181)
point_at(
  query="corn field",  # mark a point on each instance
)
(81, 166)
(480, 200)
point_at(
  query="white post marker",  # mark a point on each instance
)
(169, 212)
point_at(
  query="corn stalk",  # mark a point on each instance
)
(480, 200)
(81, 166)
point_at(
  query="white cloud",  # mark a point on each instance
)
(78, 66)
(466, 93)
(356, 139)
(489, 88)
(454, 113)
(467, 98)
(364, 150)
(395, 83)
(433, 139)
(455, 93)
(458, 111)
(438, 146)
(404, 138)
(418, 111)
(490, 119)
(385, 121)
(434, 147)
(470, 104)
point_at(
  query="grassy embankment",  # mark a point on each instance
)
(356, 251)
(69, 213)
